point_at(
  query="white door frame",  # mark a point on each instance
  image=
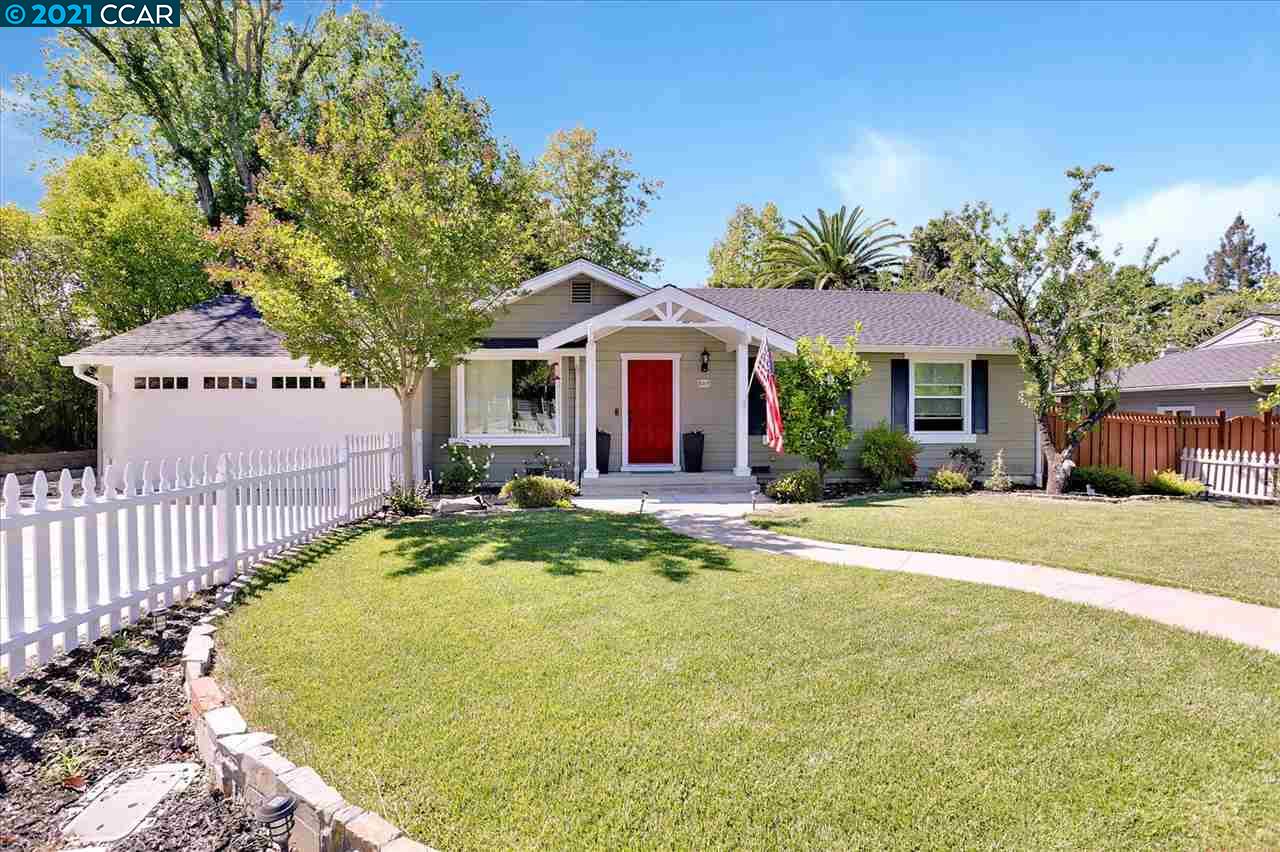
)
(674, 358)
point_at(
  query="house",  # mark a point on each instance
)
(1215, 376)
(579, 349)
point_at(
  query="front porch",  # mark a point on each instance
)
(654, 369)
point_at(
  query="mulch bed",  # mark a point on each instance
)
(117, 703)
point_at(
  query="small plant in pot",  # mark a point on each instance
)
(538, 465)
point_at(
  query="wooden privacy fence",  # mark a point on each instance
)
(1143, 443)
(102, 551)
(1235, 473)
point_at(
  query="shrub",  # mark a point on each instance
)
(408, 501)
(1108, 481)
(952, 480)
(538, 492)
(468, 467)
(888, 455)
(998, 479)
(802, 486)
(1174, 484)
(969, 460)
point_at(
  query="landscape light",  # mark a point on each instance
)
(277, 815)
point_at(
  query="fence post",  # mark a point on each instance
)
(344, 480)
(1222, 428)
(1268, 440)
(1179, 436)
(225, 515)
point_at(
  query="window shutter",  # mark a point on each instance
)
(981, 406)
(899, 396)
(580, 292)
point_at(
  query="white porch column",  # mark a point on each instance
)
(577, 418)
(742, 466)
(592, 472)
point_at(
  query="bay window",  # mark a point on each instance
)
(510, 398)
(939, 398)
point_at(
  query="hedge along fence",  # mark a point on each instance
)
(76, 566)
(1143, 443)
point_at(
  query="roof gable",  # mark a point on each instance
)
(576, 269)
(1250, 330)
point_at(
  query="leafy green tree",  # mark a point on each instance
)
(405, 232)
(1271, 292)
(1241, 262)
(930, 267)
(813, 390)
(587, 200)
(1081, 318)
(737, 258)
(138, 253)
(42, 405)
(1198, 310)
(839, 251)
(191, 97)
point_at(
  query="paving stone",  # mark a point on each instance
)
(368, 832)
(205, 695)
(260, 769)
(120, 803)
(198, 648)
(317, 805)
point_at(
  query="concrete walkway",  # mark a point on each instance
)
(1248, 624)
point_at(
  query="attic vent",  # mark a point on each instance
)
(580, 293)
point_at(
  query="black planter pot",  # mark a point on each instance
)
(693, 443)
(603, 440)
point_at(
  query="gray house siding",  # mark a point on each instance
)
(551, 310)
(1237, 402)
(1011, 425)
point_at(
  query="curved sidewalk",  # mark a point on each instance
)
(1248, 624)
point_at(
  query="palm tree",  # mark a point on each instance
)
(839, 252)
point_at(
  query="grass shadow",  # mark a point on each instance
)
(563, 540)
(272, 571)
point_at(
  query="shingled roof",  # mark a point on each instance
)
(906, 320)
(1207, 367)
(223, 326)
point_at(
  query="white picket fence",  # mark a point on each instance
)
(1234, 473)
(77, 565)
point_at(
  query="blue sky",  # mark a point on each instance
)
(907, 109)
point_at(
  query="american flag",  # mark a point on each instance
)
(773, 412)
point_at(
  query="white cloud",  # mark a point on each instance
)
(1191, 218)
(879, 168)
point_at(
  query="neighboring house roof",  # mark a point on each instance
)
(890, 321)
(225, 326)
(1215, 366)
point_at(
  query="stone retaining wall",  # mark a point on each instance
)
(242, 764)
(55, 462)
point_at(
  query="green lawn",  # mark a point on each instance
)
(1219, 548)
(571, 680)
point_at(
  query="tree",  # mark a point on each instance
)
(838, 252)
(930, 267)
(737, 258)
(587, 200)
(42, 405)
(1240, 263)
(404, 234)
(138, 253)
(813, 390)
(1081, 319)
(1271, 290)
(1198, 310)
(191, 97)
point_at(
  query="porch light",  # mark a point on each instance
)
(705, 363)
(277, 815)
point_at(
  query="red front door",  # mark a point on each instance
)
(649, 412)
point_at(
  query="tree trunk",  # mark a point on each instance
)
(1055, 479)
(205, 196)
(408, 476)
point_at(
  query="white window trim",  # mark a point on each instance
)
(462, 436)
(965, 435)
(674, 358)
(1188, 410)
